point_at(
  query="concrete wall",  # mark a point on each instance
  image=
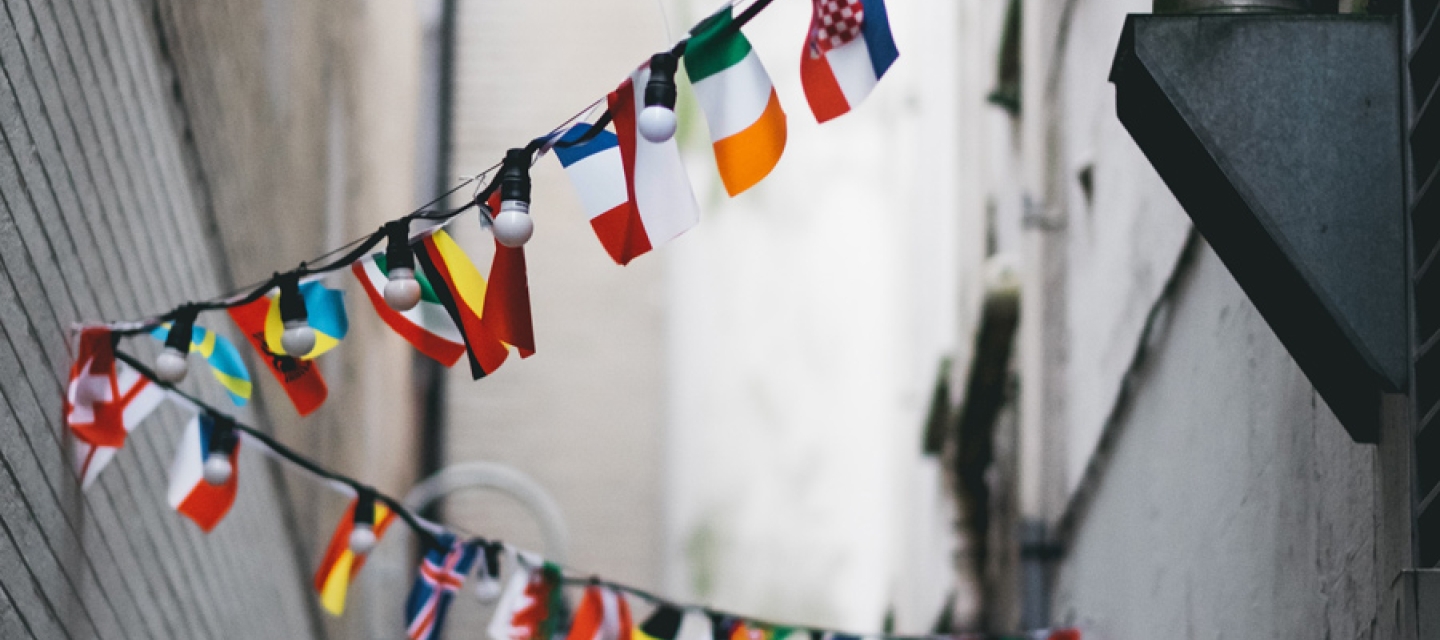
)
(1197, 484)
(1232, 503)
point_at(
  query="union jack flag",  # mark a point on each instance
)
(441, 575)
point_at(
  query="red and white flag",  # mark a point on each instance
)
(848, 49)
(104, 401)
(603, 615)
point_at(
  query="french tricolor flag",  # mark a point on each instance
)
(636, 192)
(849, 48)
(189, 493)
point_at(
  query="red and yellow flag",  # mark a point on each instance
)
(301, 379)
(341, 565)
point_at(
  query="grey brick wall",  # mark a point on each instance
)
(156, 152)
(103, 219)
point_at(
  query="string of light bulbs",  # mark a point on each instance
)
(511, 225)
(218, 470)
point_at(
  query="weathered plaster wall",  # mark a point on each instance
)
(1232, 503)
(1202, 489)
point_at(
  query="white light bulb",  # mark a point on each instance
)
(402, 292)
(171, 366)
(513, 226)
(298, 339)
(217, 468)
(487, 589)
(362, 538)
(657, 123)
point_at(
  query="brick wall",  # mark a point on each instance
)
(162, 151)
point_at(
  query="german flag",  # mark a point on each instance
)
(462, 291)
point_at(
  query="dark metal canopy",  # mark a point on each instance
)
(1280, 135)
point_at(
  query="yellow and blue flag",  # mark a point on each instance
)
(326, 310)
(223, 358)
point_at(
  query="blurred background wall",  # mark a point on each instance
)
(807, 319)
(734, 420)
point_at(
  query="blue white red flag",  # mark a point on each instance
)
(636, 192)
(190, 494)
(441, 575)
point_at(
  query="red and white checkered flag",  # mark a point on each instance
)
(834, 23)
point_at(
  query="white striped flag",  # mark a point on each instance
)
(427, 326)
(603, 615)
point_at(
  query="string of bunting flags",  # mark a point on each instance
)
(627, 169)
(530, 605)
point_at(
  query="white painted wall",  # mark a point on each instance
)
(807, 318)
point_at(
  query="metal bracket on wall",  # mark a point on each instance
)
(1280, 135)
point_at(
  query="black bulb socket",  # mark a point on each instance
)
(398, 254)
(365, 506)
(515, 176)
(223, 436)
(660, 89)
(182, 329)
(292, 304)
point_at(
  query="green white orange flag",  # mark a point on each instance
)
(747, 125)
(427, 326)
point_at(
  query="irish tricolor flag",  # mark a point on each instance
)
(427, 326)
(746, 122)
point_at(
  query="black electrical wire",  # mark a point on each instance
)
(290, 455)
(364, 244)
(427, 537)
